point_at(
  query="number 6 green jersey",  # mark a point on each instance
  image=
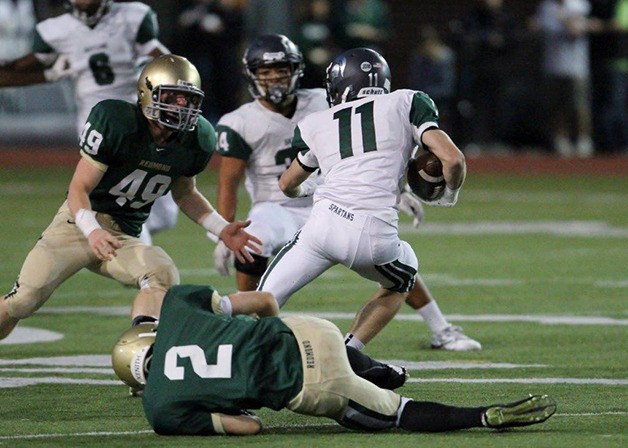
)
(117, 141)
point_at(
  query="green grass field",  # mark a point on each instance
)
(535, 268)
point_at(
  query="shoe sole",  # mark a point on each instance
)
(532, 410)
(465, 348)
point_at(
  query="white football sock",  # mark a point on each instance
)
(433, 317)
(352, 341)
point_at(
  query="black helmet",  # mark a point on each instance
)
(272, 49)
(356, 73)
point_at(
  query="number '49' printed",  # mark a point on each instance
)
(90, 140)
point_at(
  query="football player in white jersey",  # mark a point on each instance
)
(99, 44)
(255, 143)
(361, 146)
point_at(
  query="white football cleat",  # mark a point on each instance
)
(452, 338)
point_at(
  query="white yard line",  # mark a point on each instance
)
(578, 381)
(266, 428)
(553, 319)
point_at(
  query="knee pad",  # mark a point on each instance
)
(361, 418)
(257, 267)
(23, 300)
(162, 277)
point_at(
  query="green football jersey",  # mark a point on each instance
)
(138, 171)
(204, 363)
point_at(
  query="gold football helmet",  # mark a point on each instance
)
(133, 352)
(169, 91)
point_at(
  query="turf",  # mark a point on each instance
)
(516, 262)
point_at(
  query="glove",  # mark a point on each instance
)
(60, 69)
(307, 188)
(223, 258)
(411, 205)
(448, 199)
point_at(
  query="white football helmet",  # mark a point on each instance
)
(132, 354)
(89, 12)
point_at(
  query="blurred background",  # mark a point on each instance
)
(495, 68)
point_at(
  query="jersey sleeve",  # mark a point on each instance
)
(423, 115)
(172, 420)
(231, 144)
(40, 45)
(305, 157)
(99, 138)
(147, 37)
(149, 28)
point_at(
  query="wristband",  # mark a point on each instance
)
(86, 221)
(305, 189)
(225, 306)
(451, 193)
(214, 223)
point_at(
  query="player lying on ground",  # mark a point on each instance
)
(204, 369)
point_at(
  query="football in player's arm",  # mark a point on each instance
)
(203, 367)
(131, 155)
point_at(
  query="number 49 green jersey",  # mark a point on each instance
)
(117, 141)
(203, 363)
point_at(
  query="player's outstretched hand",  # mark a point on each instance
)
(103, 244)
(223, 258)
(240, 242)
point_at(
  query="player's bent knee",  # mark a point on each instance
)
(257, 267)
(360, 418)
(161, 277)
(23, 302)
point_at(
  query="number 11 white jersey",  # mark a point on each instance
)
(362, 148)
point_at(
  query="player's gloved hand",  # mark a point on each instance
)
(223, 258)
(59, 70)
(411, 205)
(307, 187)
(448, 198)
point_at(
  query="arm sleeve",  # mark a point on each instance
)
(231, 144)
(305, 157)
(149, 28)
(423, 115)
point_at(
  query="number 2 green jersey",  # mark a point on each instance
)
(203, 363)
(116, 140)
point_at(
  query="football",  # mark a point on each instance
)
(425, 176)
